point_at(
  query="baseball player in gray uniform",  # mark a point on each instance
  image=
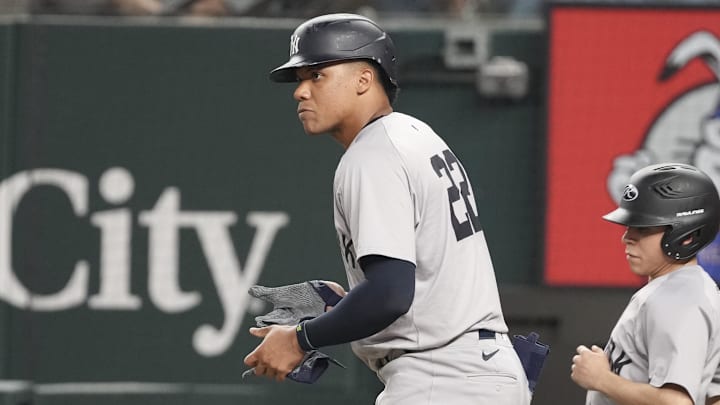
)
(423, 309)
(665, 347)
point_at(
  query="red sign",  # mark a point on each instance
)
(610, 112)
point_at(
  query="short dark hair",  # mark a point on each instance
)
(391, 90)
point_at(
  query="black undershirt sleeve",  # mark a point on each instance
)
(370, 307)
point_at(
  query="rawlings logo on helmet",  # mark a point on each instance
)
(693, 212)
(630, 193)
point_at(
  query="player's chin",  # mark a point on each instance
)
(638, 270)
(312, 129)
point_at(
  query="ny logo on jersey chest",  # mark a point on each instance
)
(348, 250)
(617, 362)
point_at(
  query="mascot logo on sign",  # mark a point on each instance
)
(686, 131)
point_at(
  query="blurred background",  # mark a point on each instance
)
(150, 173)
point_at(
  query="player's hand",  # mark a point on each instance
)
(278, 354)
(337, 288)
(589, 367)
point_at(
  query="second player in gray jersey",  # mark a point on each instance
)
(423, 310)
(665, 347)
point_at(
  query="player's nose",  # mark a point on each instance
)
(627, 236)
(302, 91)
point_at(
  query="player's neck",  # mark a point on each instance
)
(345, 134)
(671, 267)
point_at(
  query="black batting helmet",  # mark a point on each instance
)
(673, 194)
(338, 37)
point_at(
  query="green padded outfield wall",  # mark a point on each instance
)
(6, 100)
(150, 173)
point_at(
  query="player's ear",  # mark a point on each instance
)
(365, 77)
(690, 238)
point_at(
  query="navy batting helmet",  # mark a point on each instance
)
(338, 37)
(673, 194)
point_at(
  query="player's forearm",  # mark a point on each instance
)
(713, 401)
(626, 392)
(369, 308)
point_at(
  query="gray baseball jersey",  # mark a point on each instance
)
(668, 334)
(400, 192)
(714, 387)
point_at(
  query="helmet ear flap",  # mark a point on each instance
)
(674, 242)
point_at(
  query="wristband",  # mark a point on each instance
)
(302, 337)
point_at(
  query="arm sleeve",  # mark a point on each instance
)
(370, 307)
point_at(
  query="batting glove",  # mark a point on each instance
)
(294, 303)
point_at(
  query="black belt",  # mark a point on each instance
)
(482, 334)
(486, 334)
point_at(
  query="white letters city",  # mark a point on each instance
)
(163, 222)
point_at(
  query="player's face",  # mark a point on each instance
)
(325, 96)
(644, 253)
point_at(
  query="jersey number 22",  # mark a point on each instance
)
(445, 165)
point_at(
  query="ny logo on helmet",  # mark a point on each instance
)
(294, 42)
(630, 193)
